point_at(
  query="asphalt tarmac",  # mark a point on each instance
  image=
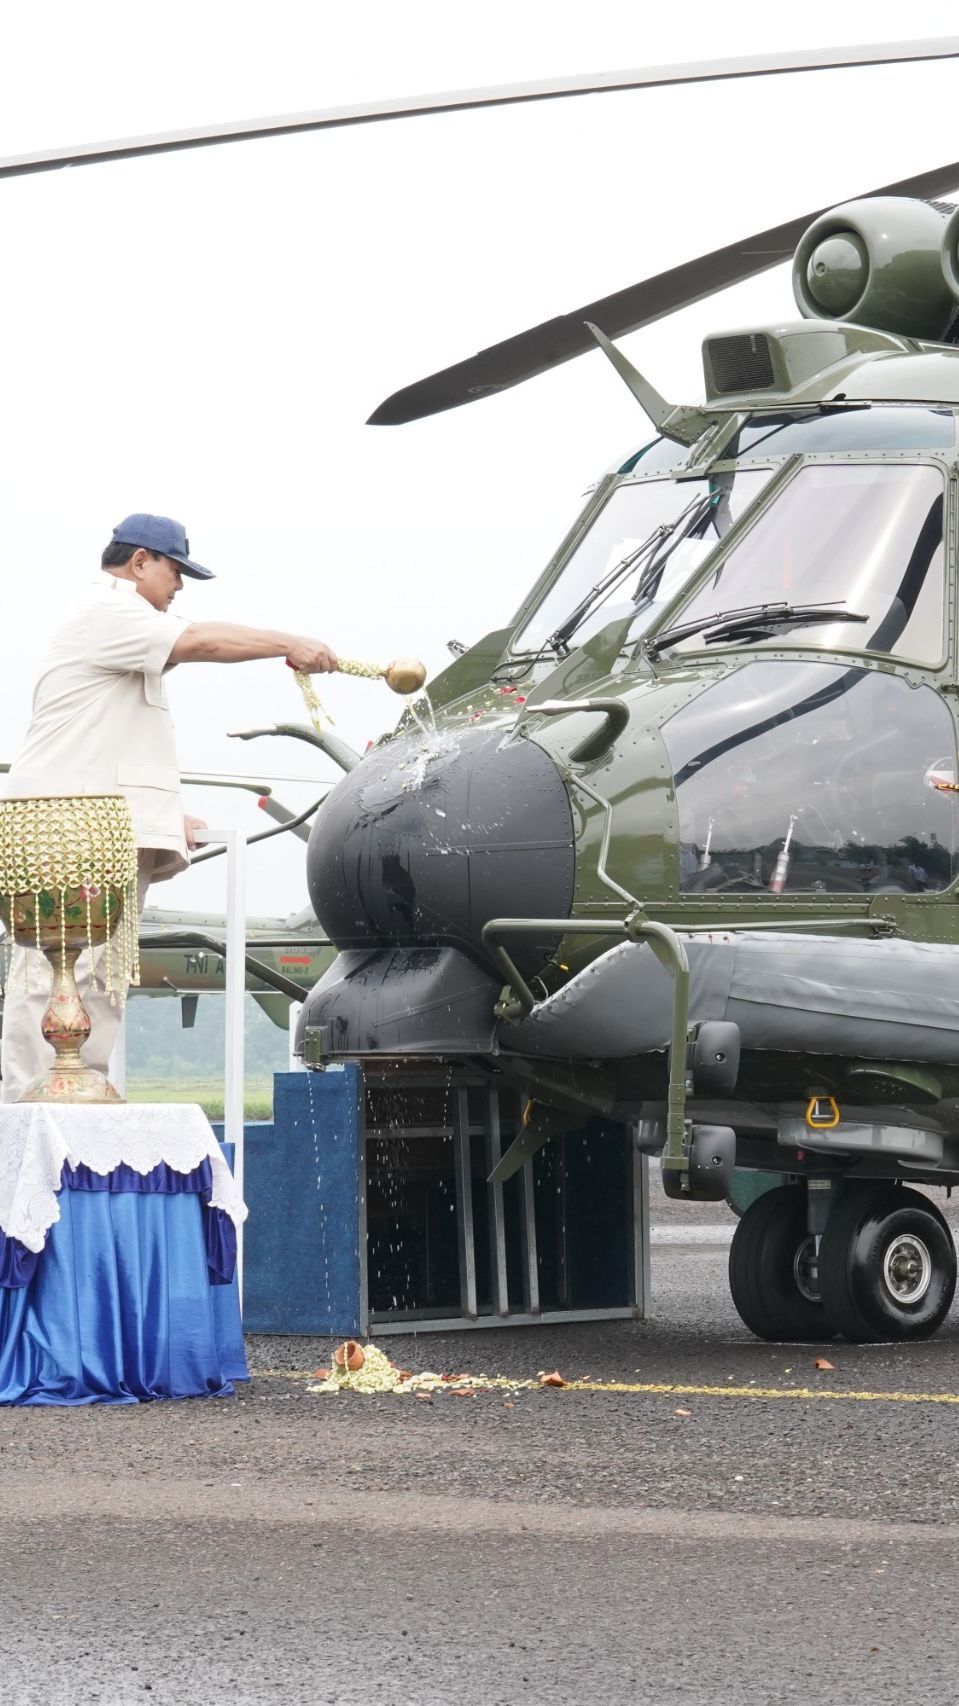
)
(737, 1525)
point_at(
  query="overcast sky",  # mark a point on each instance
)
(204, 335)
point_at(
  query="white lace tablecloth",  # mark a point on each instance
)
(37, 1140)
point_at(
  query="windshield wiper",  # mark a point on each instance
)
(672, 531)
(560, 638)
(754, 622)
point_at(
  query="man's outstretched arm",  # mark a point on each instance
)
(228, 642)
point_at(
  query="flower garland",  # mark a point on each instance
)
(345, 666)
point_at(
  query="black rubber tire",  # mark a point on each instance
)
(761, 1269)
(862, 1227)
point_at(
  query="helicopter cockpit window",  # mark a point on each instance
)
(820, 432)
(642, 547)
(863, 538)
(803, 778)
(660, 456)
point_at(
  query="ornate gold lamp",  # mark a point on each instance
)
(68, 878)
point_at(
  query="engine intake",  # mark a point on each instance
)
(885, 262)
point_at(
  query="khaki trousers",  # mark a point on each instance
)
(23, 1052)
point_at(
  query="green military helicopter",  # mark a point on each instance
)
(184, 954)
(680, 844)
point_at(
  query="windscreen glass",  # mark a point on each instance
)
(865, 539)
(822, 431)
(661, 456)
(803, 778)
(642, 547)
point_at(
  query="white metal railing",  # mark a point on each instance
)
(294, 1061)
(235, 984)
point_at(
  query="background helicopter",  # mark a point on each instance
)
(399, 901)
(183, 954)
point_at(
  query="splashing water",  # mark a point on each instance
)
(436, 746)
(421, 702)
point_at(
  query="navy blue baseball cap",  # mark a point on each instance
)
(168, 538)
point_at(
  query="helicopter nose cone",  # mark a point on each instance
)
(837, 273)
(431, 837)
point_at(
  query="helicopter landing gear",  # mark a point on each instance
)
(773, 1273)
(887, 1265)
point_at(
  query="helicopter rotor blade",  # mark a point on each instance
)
(460, 100)
(282, 814)
(547, 345)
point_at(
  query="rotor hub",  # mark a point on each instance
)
(806, 1269)
(907, 1268)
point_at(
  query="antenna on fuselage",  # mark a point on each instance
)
(676, 421)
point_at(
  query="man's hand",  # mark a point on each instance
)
(313, 657)
(190, 827)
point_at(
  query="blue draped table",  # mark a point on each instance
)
(117, 1255)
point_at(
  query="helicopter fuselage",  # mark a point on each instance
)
(772, 775)
(728, 707)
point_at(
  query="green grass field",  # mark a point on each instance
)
(257, 1101)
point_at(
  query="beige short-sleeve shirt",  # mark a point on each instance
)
(101, 722)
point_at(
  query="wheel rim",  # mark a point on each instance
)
(806, 1270)
(907, 1269)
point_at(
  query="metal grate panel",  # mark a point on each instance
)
(742, 363)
